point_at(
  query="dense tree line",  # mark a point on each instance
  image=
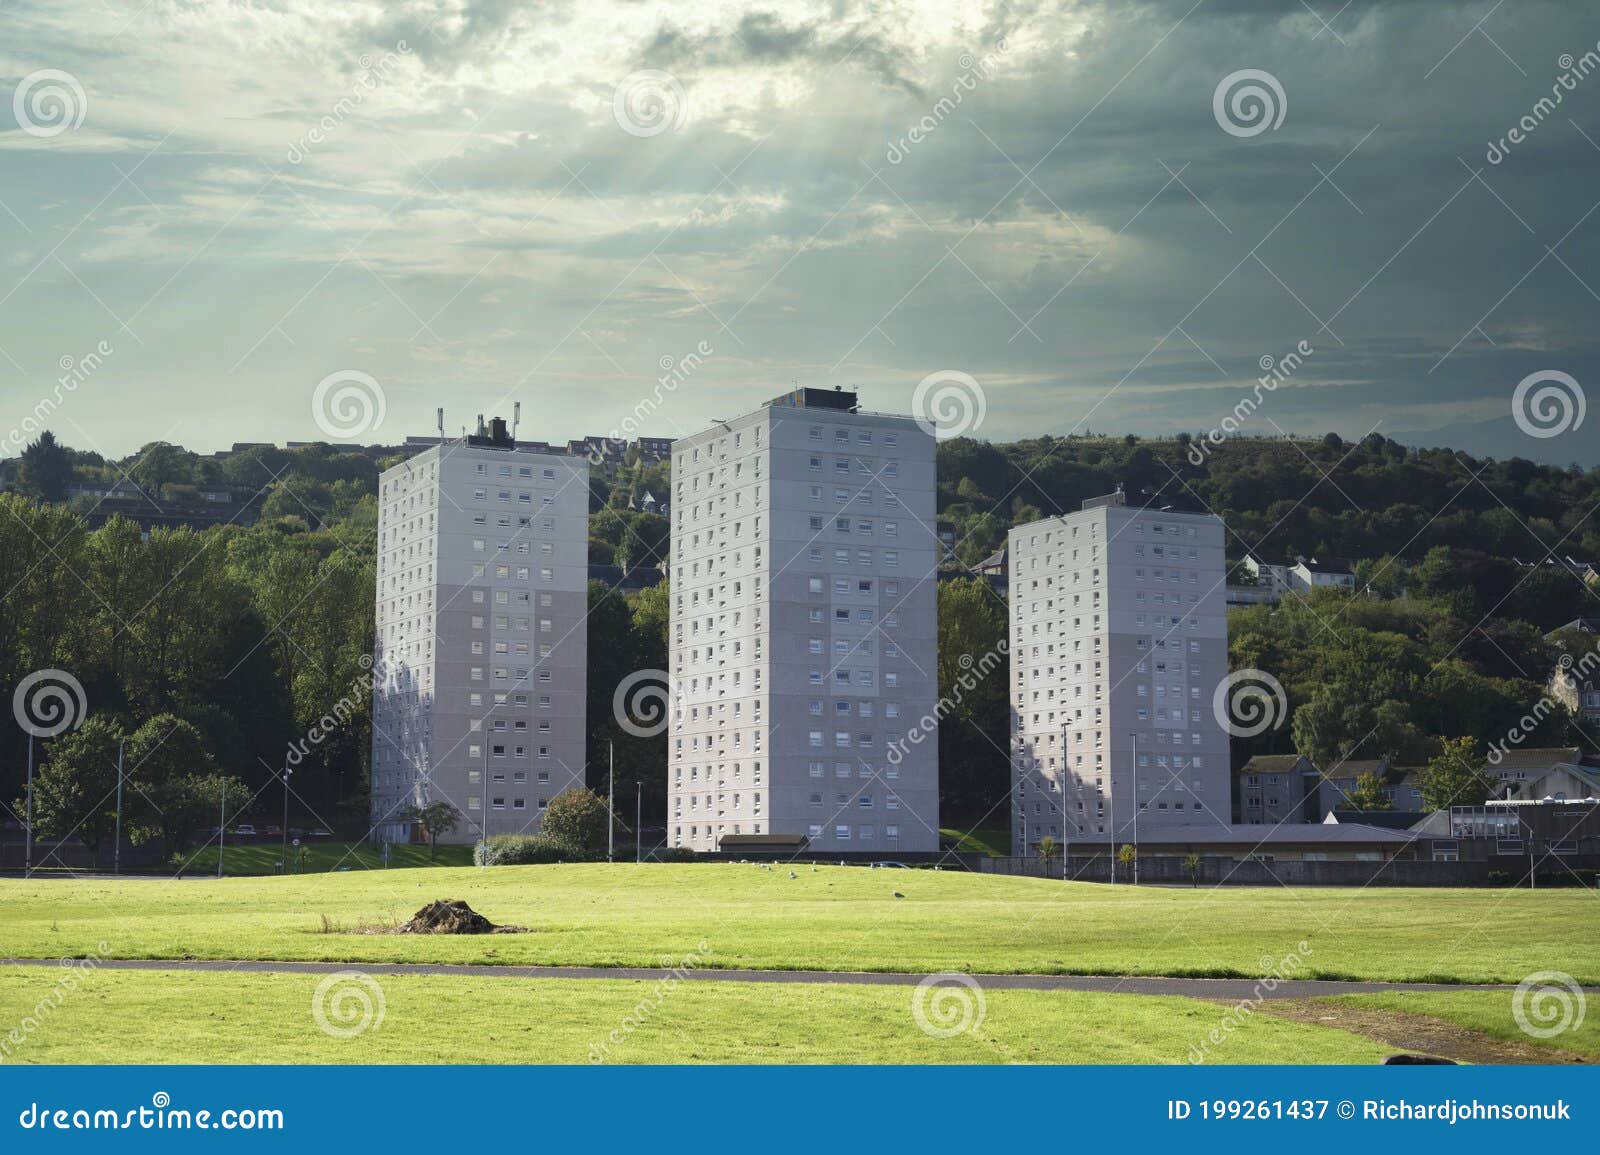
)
(248, 636)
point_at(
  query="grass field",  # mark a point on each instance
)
(832, 918)
(171, 1017)
(320, 856)
(994, 843)
(1487, 1012)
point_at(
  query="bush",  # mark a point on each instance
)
(576, 817)
(527, 850)
(674, 854)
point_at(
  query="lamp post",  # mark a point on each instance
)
(285, 851)
(222, 824)
(611, 809)
(638, 825)
(1135, 769)
(27, 849)
(116, 850)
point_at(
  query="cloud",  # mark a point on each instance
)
(856, 193)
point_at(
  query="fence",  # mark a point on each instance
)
(1216, 871)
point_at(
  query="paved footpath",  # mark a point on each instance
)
(1226, 989)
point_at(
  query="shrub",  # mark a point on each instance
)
(527, 850)
(674, 854)
(577, 817)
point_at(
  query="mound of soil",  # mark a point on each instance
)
(451, 916)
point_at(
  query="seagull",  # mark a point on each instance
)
(792, 874)
(897, 894)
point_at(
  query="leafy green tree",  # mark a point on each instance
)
(576, 816)
(1048, 848)
(1191, 863)
(46, 468)
(974, 687)
(75, 789)
(1367, 794)
(436, 818)
(1455, 777)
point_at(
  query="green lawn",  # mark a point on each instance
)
(1486, 1011)
(320, 855)
(829, 918)
(174, 1017)
(994, 843)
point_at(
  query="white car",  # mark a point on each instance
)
(245, 829)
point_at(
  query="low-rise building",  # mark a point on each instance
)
(1274, 789)
(1310, 573)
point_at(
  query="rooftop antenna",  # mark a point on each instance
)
(441, 425)
(516, 420)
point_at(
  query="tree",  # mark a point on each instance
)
(435, 818)
(974, 680)
(1191, 863)
(174, 789)
(1127, 855)
(1048, 848)
(1455, 777)
(75, 790)
(46, 469)
(1367, 794)
(578, 817)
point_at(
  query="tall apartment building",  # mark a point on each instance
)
(803, 645)
(480, 665)
(1119, 639)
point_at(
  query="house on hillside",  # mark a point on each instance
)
(1270, 571)
(1516, 769)
(1274, 788)
(1334, 786)
(1320, 573)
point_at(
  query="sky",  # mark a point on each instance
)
(272, 220)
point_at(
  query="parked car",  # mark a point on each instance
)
(244, 829)
(322, 834)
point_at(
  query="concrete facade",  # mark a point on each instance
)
(1118, 643)
(480, 667)
(803, 630)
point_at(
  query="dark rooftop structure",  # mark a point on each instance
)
(806, 398)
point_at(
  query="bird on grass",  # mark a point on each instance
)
(792, 874)
(897, 894)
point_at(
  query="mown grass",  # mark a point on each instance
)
(192, 1017)
(830, 918)
(1489, 1012)
(316, 856)
(994, 843)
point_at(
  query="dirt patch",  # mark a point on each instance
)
(452, 916)
(1418, 1034)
